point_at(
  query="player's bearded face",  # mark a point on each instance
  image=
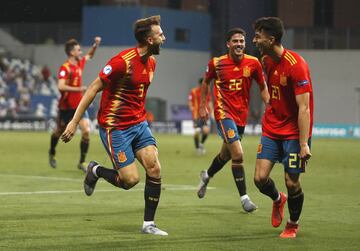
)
(236, 45)
(262, 42)
(158, 39)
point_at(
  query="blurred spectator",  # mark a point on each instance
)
(24, 102)
(19, 81)
(3, 106)
(46, 73)
(12, 108)
(40, 111)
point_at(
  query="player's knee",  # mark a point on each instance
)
(85, 134)
(151, 163)
(85, 139)
(206, 130)
(154, 170)
(130, 182)
(237, 155)
(292, 186)
(238, 159)
(57, 132)
(224, 157)
(260, 181)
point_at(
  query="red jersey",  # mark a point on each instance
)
(286, 79)
(232, 86)
(195, 99)
(127, 80)
(73, 76)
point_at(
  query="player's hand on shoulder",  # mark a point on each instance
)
(69, 131)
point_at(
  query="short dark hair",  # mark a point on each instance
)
(233, 31)
(69, 45)
(272, 26)
(142, 27)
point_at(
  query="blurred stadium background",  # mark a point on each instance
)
(32, 33)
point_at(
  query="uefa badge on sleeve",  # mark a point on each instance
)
(107, 69)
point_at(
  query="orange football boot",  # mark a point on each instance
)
(290, 230)
(278, 210)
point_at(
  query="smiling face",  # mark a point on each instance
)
(263, 42)
(236, 45)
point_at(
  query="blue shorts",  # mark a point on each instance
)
(121, 145)
(65, 116)
(282, 151)
(200, 123)
(229, 131)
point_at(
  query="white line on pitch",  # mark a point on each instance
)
(41, 177)
(170, 187)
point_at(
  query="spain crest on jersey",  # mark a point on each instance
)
(283, 80)
(231, 133)
(122, 157)
(246, 71)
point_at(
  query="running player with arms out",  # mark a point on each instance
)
(71, 89)
(233, 74)
(287, 122)
(201, 127)
(124, 132)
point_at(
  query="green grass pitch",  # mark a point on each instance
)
(45, 209)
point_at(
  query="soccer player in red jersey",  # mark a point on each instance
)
(287, 122)
(123, 128)
(233, 74)
(71, 89)
(201, 127)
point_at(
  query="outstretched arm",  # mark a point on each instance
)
(90, 54)
(86, 100)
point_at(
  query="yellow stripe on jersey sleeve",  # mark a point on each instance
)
(67, 67)
(129, 55)
(250, 57)
(290, 58)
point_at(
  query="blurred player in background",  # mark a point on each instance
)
(233, 74)
(124, 131)
(201, 127)
(287, 122)
(71, 90)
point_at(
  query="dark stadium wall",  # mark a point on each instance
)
(184, 30)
